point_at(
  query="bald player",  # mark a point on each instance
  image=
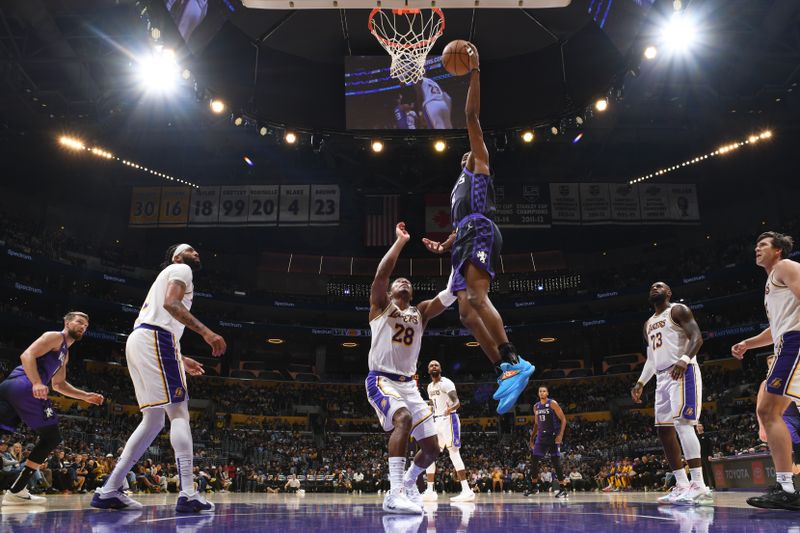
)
(443, 397)
(673, 339)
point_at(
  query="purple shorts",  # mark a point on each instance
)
(478, 242)
(546, 446)
(784, 378)
(17, 403)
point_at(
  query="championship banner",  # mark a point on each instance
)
(595, 203)
(241, 205)
(624, 203)
(522, 205)
(565, 203)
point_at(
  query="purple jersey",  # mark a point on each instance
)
(547, 423)
(473, 194)
(48, 364)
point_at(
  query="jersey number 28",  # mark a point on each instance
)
(403, 335)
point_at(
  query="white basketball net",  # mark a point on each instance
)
(407, 35)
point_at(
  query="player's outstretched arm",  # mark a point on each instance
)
(762, 339)
(62, 386)
(478, 161)
(173, 303)
(683, 316)
(379, 293)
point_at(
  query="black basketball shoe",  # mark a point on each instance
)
(776, 498)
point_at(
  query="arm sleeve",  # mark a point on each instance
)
(182, 273)
(648, 371)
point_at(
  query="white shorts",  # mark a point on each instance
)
(387, 396)
(679, 400)
(448, 429)
(156, 367)
(437, 113)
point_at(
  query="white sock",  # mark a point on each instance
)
(142, 437)
(785, 479)
(180, 436)
(396, 465)
(430, 486)
(697, 475)
(411, 475)
(680, 477)
(465, 486)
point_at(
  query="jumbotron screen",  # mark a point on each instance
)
(376, 101)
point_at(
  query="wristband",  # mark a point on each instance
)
(686, 359)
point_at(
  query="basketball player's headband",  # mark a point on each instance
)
(180, 249)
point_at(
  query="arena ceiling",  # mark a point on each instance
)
(66, 67)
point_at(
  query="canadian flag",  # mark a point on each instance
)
(437, 216)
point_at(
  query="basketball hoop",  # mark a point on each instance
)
(407, 35)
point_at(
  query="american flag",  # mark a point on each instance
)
(381, 219)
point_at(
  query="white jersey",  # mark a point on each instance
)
(153, 312)
(783, 308)
(396, 340)
(438, 395)
(666, 340)
(432, 91)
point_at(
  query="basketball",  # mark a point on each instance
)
(456, 55)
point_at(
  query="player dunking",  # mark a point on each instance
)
(397, 328)
(476, 244)
(549, 424)
(673, 339)
(782, 303)
(442, 394)
(23, 397)
(158, 370)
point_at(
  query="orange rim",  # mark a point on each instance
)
(394, 44)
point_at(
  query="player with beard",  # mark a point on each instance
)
(673, 339)
(158, 370)
(442, 394)
(23, 397)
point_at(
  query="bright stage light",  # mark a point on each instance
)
(601, 105)
(69, 142)
(263, 130)
(377, 146)
(439, 146)
(217, 106)
(290, 137)
(527, 136)
(650, 52)
(680, 33)
(159, 71)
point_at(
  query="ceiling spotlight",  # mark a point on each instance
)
(579, 120)
(650, 52)
(275, 341)
(577, 138)
(554, 130)
(158, 71)
(527, 136)
(217, 106)
(238, 120)
(766, 134)
(377, 146)
(263, 131)
(69, 142)
(439, 146)
(601, 105)
(290, 137)
(248, 161)
(680, 33)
